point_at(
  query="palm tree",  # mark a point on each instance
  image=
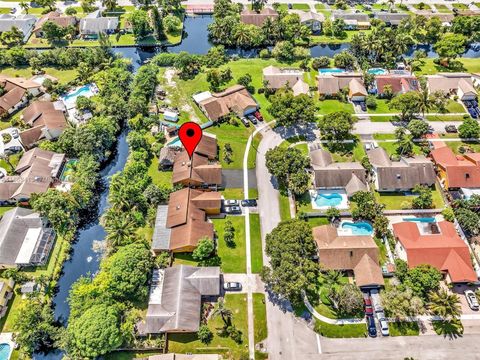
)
(444, 304)
(109, 4)
(25, 6)
(424, 100)
(332, 277)
(121, 230)
(226, 314)
(451, 328)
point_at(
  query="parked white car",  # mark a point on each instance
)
(471, 299)
(384, 326)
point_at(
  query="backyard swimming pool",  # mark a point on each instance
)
(330, 71)
(324, 199)
(377, 71)
(71, 98)
(5, 350)
(357, 228)
(68, 170)
(175, 142)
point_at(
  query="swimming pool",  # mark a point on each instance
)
(175, 142)
(333, 199)
(357, 228)
(71, 98)
(377, 71)
(324, 199)
(5, 351)
(68, 170)
(421, 219)
(330, 71)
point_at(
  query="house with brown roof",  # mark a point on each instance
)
(356, 253)
(402, 175)
(184, 222)
(16, 93)
(46, 120)
(64, 21)
(331, 84)
(277, 78)
(258, 18)
(350, 176)
(459, 84)
(36, 171)
(236, 99)
(197, 171)
(457, 171)
(400, 83)
(436, 244)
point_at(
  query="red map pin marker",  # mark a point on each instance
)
(190, 135)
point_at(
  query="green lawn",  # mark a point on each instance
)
(284, 205)
(233, 258)
(252, 153)
(445, 118)
(7, 323)
(457, 145)
(351, 152)
(382, 108)
(233, 193)
(455, 107)
(304, 7)
(422, 6)
(4, 209)
(260, 317)
(184, 259)
(303, 148)
(63, 76)
(441, 8)
(5, 10)
(381, 118)
(460, 6)
(37, 10)
(468, 65)
(317, 221)
(159, 178)
(324, 39)
(340, 331)
(329, 106)
(391, 148)
(404, 329)
(229, 349)
(398, 201)
(256, 244)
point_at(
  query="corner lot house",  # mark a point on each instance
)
(310, 19)
(17, 92)
(459, 84)
(184, 222)
(24, 23)
(252, 17)
(175, 301)
(36, 171)
(236, 99)
(350, 176)
(331, 84)
(46, 120)
(400, 83)
(355, 253)
(25, 238)
(437, 244)
(94, 24)
(400, 175)
(6, 293)
(278, 78)
(57, 18)
(457, 171)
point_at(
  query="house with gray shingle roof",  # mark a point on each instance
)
(25, 238)
(24, 23)
(94, 24)
(175, 300)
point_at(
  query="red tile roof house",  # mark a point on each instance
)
(457, 171)
(399, 83)
(435, 244)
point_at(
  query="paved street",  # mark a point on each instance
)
(288, 337)
(368, 127)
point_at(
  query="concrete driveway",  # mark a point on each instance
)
(11, 143)
(253, 281)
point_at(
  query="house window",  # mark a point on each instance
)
(351, 253)
(467, 176)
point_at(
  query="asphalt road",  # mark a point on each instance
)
(288, 337)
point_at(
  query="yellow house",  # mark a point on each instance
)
(6, 292)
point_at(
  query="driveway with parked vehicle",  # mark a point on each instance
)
(14, 145)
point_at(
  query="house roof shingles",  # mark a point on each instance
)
(252, 17)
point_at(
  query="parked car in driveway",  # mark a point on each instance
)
(230, 203)
(15, 133)
(450, 128)
(249, 203)
(252, 119)
(245, 121)
(384, 327)
(232, 286)
(258, 115)
(368, 306)
(471, 299)
(233, 210)
(372, 329)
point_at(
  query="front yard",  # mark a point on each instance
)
(404, 328)
(340, 331)
(229, 349)
(233, 258)
(256, 244)
(330, 106)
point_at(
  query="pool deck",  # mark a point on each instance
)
(7, 338)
